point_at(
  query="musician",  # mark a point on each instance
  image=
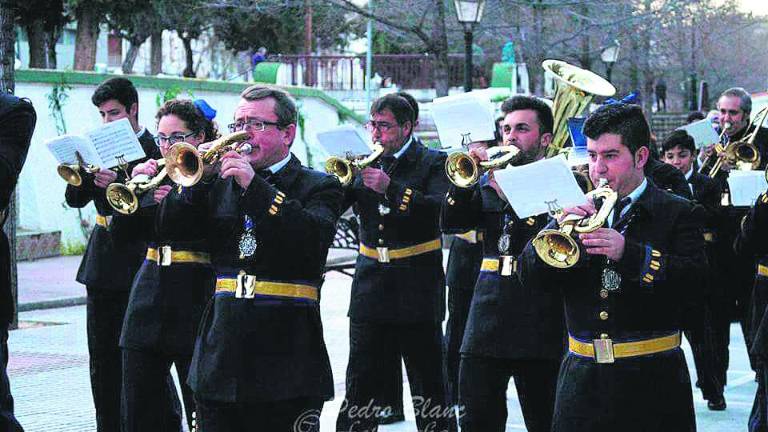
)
(398, 292)
(735, 108)
(632, 283)
(260, 361)
(17, 122)
(751, 244)
(107, 270)
(175, 280)
(511, 331)
(706, 336)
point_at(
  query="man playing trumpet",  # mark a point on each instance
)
(625, 297)
(511, 331)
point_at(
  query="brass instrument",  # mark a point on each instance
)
(575, 89)
(713, 158)
(185, 164)
(743, 153)
(71, 172)
(463, 171)
(124, 198)
(345, 168)
(557, 247)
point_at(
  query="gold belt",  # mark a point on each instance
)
(165, 256)
(103, 220)
(246, 286)
(492, 265)
(607, 350)
(762, 270)
(384, 254)
(473, 236)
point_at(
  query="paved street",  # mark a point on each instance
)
(49, 360)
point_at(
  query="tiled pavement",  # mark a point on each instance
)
(49, 361)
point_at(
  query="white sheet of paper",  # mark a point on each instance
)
(746, 186)
(64, 147)
(114, 140)
(343, 140)
(702, 132)
(462, 119)
(540, 187)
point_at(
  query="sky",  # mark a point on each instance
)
(758, 7)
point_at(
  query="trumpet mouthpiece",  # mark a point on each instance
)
(245, 149)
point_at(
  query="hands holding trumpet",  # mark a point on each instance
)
(150, 168)
(603, 241)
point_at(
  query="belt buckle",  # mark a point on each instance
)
(246, 286)
(603, 350)
(383, 253)
(507, 265)
(164, 256)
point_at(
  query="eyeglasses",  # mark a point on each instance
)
(173, 139)
(381, 126)
(251, 125)
(731, 112)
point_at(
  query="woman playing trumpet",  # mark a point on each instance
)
(173, 284)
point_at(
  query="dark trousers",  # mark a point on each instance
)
(392, 392)
(421, 348)
(147, 394)
(483, 385)
(292, 415)
(459, 301)
(8, 422)
(705, 347)
(758, 418)
(105, 312)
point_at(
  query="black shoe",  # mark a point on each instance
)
(716, 404)
(390, 417)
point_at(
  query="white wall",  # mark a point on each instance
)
(41, 190)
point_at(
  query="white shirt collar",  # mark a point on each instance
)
(276, 167)
(141, 131)
(635, 194)
(404, 147)
(689, 173)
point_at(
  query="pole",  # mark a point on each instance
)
(369, 60)
(468, 60)
(609, 69)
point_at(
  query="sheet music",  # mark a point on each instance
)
(461, 119)
(64, 147)
(746, 186)
(342, 140)
(702, 132)
(540, 187)
(114, 140)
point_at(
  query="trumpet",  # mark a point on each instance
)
(714, 158)
(743, 153)
(345, 168)
(124, 198)
(464, 171)
(71, 172)
(556, 247)
(185, 164)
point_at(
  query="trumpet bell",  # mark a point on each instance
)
(341, 168)
(184, 164)
(122, 198)
(556, 249)
(70, 174)
(462, 170)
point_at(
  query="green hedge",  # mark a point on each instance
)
(160, 84)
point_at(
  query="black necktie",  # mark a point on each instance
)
(623, 203)
(265, 174)
(386, 163)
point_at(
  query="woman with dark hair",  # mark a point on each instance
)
(175, 281)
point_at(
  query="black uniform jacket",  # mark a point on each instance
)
(661, 272)
(463, 264)
(506, 319)
(106, 266)
(166, 302)
(751, 245)
(668, 178)
(410, 289)
(268, 348)
(17, 122)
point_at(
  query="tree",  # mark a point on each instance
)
(43, 21)
(134, 21)
(89, 14)
(8, 15)
(189, 19)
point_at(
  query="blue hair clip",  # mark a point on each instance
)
(628, 99)
(207, 110)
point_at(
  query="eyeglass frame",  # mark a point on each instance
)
(251, 125)
(175, 137)
(372, 125)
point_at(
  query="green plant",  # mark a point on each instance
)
(171, 93)
(72, 248)
(57, 98)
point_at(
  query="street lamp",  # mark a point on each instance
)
(609, 56)
(469, 13)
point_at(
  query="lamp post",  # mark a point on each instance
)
(469, 13)
(609, 56)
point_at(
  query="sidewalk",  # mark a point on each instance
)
(49, 359)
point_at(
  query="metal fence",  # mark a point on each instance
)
(348, 72)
